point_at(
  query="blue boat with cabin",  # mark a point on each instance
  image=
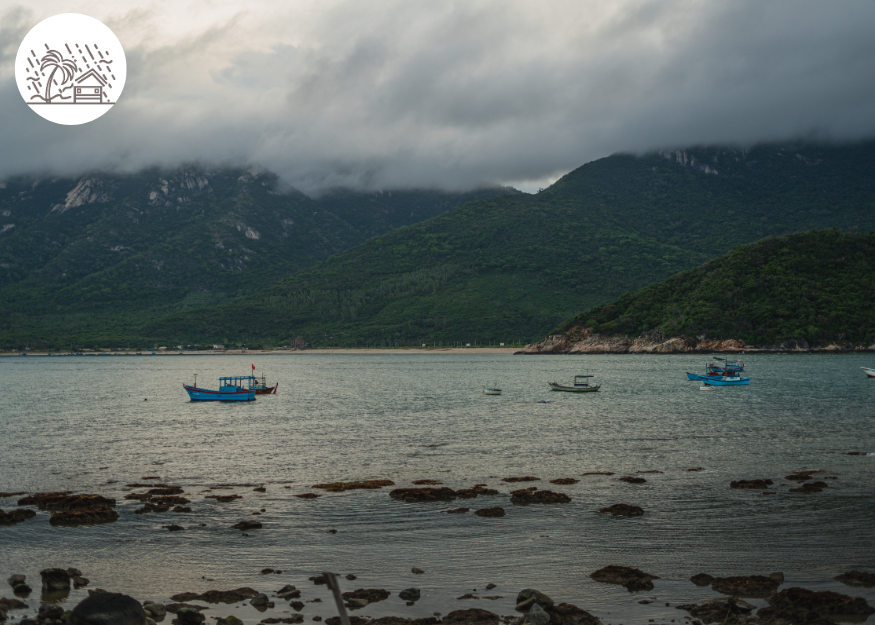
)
(233, 388)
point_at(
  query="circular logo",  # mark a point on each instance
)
(70, 69)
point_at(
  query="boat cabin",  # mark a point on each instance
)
(235, 383)
(580, 381)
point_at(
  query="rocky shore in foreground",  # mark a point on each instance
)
(583, 341)
(790, 606)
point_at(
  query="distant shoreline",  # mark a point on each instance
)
(265, 352)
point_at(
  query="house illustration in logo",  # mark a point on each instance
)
(89, 88)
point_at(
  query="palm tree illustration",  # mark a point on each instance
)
(55, 61)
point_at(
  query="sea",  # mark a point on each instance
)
(95, 424)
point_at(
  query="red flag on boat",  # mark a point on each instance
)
(253, 367)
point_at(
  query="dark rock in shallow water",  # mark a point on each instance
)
(188, 616)
(857, 578)
(66, 501)
(529, 597)
(632, 579)
(12, 604)
(173, 528)
(751, 484)
(525, 478)
(370, 595)
(416, 495)
(16, 516)
(623, 509)
(108, 608)
(568, 614)
(731, 611)
(702, 579)
(458, 511)
(795, 601)
(217, 596)
(490, 513)
(55, 579)
(247, 525)
(295, 618)
(564, 481)
(173, 608)
(83, 516)
(409, 594)
(525, 496)
(810, 487)
(473, 616)
(630, 479)
(339, 487)
(746, 586)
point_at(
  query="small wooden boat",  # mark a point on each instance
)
(238, 388)
(870, 373)
(491, 390)
(580, 385)
(261, 387)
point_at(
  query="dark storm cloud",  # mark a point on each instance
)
(452, 95)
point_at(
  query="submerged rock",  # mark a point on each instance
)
(16, 516)
(525, 496)
(630, 479)
(857, 578)
(108, 608)
(217, 596)
(369, 595)
(337, 487)
(746, 586)
(632, 579)
(568, 614)
(84, 516)
(247, 525)
(490, 513)
(458, 510)
(702, 579)
(623, 509)
(564, 481)
(525, 478)
(65, 501)
(416, 495)
(751, 484)
(809, 487)
(472, 616)
(801, 605)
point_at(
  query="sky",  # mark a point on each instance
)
(382, 94)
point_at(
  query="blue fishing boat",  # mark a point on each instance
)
(727, 380)
(235, 388)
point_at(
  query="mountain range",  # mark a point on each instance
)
(509, 267)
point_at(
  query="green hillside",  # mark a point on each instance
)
(509, 269)
(79, 257)
(815, 287)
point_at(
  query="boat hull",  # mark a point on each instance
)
(203, 394)
(697, 377)
(266, 390)
(573, 389)
(492, 391)
(727, 381)
(870, 373)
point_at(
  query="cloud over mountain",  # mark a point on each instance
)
(401, 93)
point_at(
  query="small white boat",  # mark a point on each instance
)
(869, 372)
(491, 390)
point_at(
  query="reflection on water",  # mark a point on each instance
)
(82, 424)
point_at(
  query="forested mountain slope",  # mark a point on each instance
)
(513, 267)
(811, 289)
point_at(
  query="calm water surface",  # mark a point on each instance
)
(81, 424)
